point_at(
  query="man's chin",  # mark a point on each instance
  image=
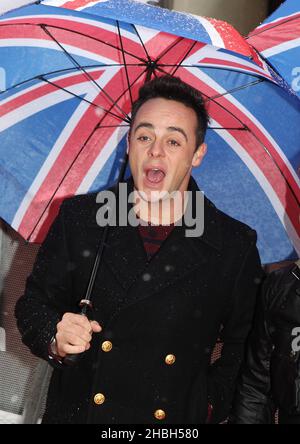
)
(153, 196)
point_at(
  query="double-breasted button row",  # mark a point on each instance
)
(99, 398)
(160, 414)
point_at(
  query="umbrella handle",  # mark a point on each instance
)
(71, 360)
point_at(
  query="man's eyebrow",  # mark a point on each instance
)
(179, 130)
(170, 129)
(144, 125)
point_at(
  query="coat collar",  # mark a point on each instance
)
(178, 256)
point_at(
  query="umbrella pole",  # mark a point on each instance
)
(86, 303)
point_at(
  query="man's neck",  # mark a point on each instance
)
(161, 212)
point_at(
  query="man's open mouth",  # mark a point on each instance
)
(155, 175)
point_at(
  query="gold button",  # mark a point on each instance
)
(106, 346)
(170, 359)
(99, 398)
(159, 414)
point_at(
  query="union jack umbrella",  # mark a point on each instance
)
(69, 78)
(278, 41)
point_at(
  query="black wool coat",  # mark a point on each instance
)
(194, 291)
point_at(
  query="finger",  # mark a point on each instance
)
(69, 349)
(65, 328)
(77, 319)
(70, 339)
(96, 328)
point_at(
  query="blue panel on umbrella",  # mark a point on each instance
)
(27, 63)
(287, 8)
(250, 204)
(288, 64)
(27, 155)
(265, 102)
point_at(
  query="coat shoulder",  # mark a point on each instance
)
(233, 231)
(84, 204)
(80, 208)
(81, 200)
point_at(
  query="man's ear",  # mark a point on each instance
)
(199, 155)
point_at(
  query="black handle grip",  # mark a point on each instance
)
(71, 360)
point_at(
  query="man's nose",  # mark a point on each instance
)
(156, 149)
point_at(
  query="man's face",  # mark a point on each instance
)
(162, 147)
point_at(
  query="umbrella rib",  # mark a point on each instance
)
(61, 181)
(240, 88)
(170, 48)
(142, 43)
(98, 126)
(81, 68)
(16, 85)
(128, 119)
(245, 127)
(113, 126)
(184, 57)
(219, 128)
(80, 98)
(124, 61)
(65, 175)
(276, 25)
(256, 82)
(83, 35)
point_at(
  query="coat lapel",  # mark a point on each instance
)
(178, 255)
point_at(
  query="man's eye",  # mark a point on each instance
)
(143, 138)
(173, 142)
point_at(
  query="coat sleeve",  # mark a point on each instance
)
(48, 291)
(253, 403)
(223, 373)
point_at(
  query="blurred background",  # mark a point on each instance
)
(244, 15)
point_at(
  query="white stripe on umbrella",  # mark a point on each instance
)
(61, 142)
(282, 47)
(208, 80)
(278, 203)
(101, 160)
(72, 19)
(264, 183)
(68, 3)
(214, 35)
(275, 22)
(52, 45)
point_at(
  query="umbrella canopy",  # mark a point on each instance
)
(204, 29)
(278, 41)
(70, 78)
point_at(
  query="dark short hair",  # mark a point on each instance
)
(173, 88)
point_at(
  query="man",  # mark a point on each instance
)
(271, 377)
(161, 298)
